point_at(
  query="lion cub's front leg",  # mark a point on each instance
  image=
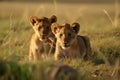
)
(36, 48)
(58, 53)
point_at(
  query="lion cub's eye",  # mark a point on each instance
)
(61, 35)
(39, 27)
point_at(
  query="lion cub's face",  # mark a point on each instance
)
(42, 25)
(65, 34)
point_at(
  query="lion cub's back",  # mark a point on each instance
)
(84, 44)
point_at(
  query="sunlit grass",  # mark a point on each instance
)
(15, 33)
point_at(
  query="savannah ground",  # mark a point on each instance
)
(101, 22)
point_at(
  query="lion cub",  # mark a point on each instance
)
(41, 41)
(69, 44)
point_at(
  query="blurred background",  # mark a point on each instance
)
(99, 20)
(68, 1)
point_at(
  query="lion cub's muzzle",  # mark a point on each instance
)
(43, 37)
(66, 45)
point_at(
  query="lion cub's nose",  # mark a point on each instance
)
(43, 36)
(65, 44)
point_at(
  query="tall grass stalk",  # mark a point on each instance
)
(10, 32)
(24, 16)
(55, 6)
(109, 17)
(114, 21)
(116, 70)
(7, 38)
(116, 13)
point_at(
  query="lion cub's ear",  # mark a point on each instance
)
(53, 19)
(55, 28)
(76, 27)
(33, 20)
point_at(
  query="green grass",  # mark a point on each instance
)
(15, 33)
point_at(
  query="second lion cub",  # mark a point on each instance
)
(69, 44)
(41, 41)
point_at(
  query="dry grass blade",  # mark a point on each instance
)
(116, 13)
(109, 17)
(116, 68)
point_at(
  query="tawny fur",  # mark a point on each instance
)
(69, 44)
(43, 38)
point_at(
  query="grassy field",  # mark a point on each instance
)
(101, 22)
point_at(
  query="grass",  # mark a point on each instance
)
(99, 25)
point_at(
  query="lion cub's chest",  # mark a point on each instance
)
(41, 46)
(44, 46)
(72, 51)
